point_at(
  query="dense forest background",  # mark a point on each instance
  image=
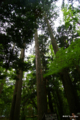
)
(39, 59)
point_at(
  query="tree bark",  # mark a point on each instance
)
(13, 101)
(70, 92)
(41, 86)
(68, 87)
(53, 42)
(15, 108)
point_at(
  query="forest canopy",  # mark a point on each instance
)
(39, 59)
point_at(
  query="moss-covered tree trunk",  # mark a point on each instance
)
(68, 87)
(41, 86)
(15, 108)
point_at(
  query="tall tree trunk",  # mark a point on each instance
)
(41, 86)
(13, 101)
(69, 90)
(18, 97)
(15, 108)
(53, 42)
(23, 115)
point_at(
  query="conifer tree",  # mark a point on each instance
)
(41, 85)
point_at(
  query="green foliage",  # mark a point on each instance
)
(65, 58)
(71, 15)
(21, 21)
(5, 99)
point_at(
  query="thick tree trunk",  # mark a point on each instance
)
(18, 97)
(69, 90)
(13, 102)
(15, 108)
(41, 86)
(53, 42)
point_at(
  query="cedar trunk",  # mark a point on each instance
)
(68, 87)
(41, 85)
(15, 108)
